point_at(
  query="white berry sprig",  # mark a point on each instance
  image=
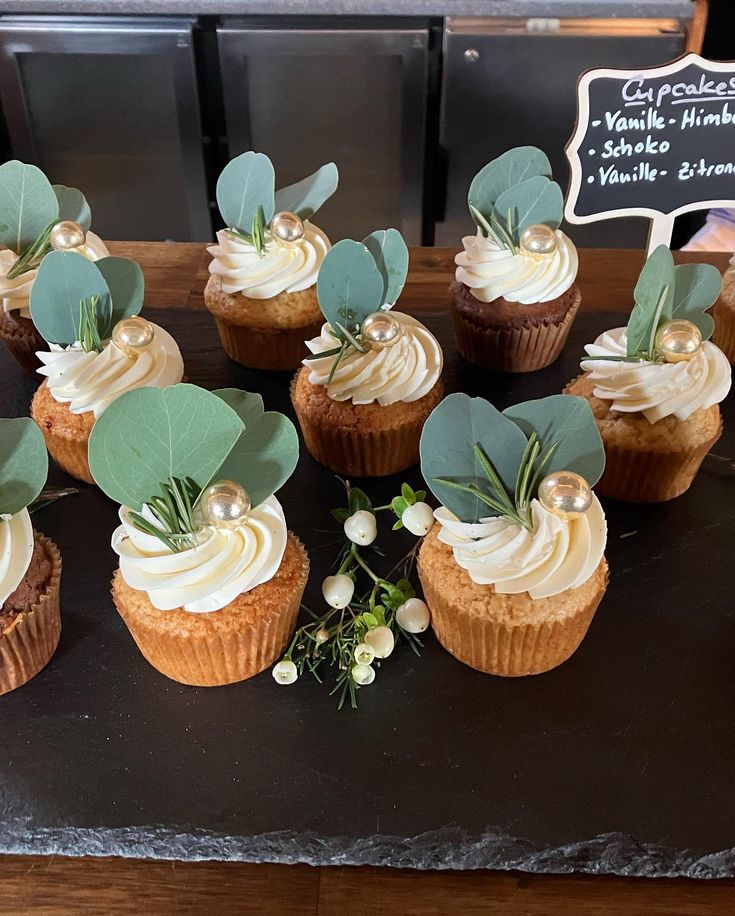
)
(368, 614)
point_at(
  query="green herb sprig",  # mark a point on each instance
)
(513, 506)
(256, 237)
(174, 512)
(501, 234)
(88, 333)
(33, 255)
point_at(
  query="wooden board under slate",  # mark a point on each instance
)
(620, 761)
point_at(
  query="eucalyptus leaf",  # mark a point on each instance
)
(73, 205)
(246, 183)
(264, 457)
(125, 281)
(447, 451)
(391, 255)
(657, 275)
(696, 288)
(569, 422)
(28, 204)
(23, 464)
(63, 280)
(349, 286)
(536, 200)
(513, 167)
(247, 405)
(308, 195)
(149, 435)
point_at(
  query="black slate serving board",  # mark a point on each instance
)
(620, 761)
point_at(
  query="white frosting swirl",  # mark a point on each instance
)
(404, 372)
(286, 267)
(657, 390)
(91, 381)
(16, 551)
(224, 563)
(16, 293)
(491, 272)
(555, 555)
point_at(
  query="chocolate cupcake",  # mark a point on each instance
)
(55, 217)
(515, 297)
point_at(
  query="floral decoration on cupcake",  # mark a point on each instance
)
(514, 297)
(99, 347)
(514, 570)
(30, 565)
(374, 374)
(210, 579)
(35, 217)
(265, 264)
(655, 385)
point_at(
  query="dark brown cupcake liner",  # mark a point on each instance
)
(266, 348)
(29, 642)
(523, 349)
(22, 340)
(215, 659)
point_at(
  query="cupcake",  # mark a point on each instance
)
(374, 375)
(210, 579)
(514, 568)
(514, 297)
(654, 386)
(97, 347)
(262, 286)
(724, 314)
(53, 216)
(30, 564)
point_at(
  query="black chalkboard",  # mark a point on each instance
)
(655, 142)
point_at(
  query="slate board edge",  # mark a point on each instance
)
(445, 849)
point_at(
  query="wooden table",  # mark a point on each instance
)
(175, 276)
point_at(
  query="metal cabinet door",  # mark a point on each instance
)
(111, 106)
(504, 86)
(306, 95)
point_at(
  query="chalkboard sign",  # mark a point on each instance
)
(654, 142)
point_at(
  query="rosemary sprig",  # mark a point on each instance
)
(50, 495)
(495, 229)
(88, 332)
(256, 237)
(31, 257)
(174, 512)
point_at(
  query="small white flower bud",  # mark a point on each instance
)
(413, 616)
(364, 654)
(418, 518)
(285, 672)
(338, 590)
(361, 528)
(382, 641)
(321, 635)
(363, 675)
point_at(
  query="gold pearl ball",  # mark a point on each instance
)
(538, 239)
(565, 493)
(133, 334)
(678, 340)
(287, 226)
(66, 235)
(380, 330)
(225, 504)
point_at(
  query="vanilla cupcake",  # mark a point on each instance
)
(374, 375)
(724, 314)
(53, 216)
(30, 564)
(654, 386)
(210, 579)
(514, 568)
(262, 286)
(97, 349)
(514, 298)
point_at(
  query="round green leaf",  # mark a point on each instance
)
(246, 183)
(513, 167)
(27, 204)
(568, 421)
(391, 255)
(308, 195)
(696, 288)
(656, 277)
(73, 205)
(349, 285)
(125, 281)
(148, 435)
(23, 464)
(536, 200)
(63, 280)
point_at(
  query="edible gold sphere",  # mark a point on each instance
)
(380, 330)
(565, 493)
(133, 334)
(66, 235)
(678, 340)
(225, 504)
(287, 226)
(538, 239)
